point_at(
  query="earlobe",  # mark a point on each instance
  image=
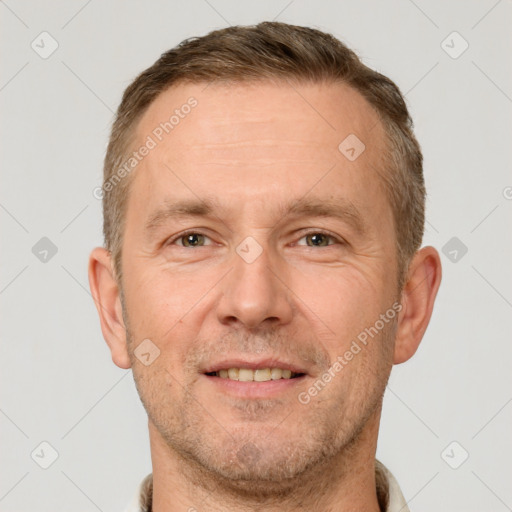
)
(105, 292)
(418, 296)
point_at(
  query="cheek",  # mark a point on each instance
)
(168, 308)
(343, 300)
(157, 299)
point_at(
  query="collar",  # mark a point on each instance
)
(388, 492)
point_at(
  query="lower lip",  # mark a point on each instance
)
(253, 389)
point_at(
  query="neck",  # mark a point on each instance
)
(342, 483)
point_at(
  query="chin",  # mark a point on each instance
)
(260, 465)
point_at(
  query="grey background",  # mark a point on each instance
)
(58, 383)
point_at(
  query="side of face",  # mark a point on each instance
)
(251, 282)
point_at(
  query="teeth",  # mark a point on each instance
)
(245, 375)
(260, 375)
(276, 373)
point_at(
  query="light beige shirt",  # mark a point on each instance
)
(388, 492)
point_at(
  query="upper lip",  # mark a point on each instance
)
(255, 364)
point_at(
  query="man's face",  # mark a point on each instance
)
(252, 285)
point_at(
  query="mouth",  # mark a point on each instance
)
(255, 375)
(255, 379)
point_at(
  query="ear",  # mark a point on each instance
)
(418, 296)
(106, 296)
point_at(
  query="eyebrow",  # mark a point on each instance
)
(182, 208)
(340, 208)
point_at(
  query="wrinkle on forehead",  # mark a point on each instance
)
(263, 114)
(252, 127)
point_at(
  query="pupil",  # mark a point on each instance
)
(317, 239)
(193, 239)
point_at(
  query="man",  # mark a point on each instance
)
(263, 215)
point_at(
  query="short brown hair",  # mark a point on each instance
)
(274, 51)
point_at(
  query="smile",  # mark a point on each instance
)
(258, 375)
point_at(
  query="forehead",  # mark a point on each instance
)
(253, 143)
(317, 116)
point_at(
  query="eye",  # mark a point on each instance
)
(319, 239)
(190, 239)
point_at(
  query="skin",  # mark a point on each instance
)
(254, 148)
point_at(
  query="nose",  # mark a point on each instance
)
(254, 294)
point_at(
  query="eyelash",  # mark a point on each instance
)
(183, 235)
(312, 232)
